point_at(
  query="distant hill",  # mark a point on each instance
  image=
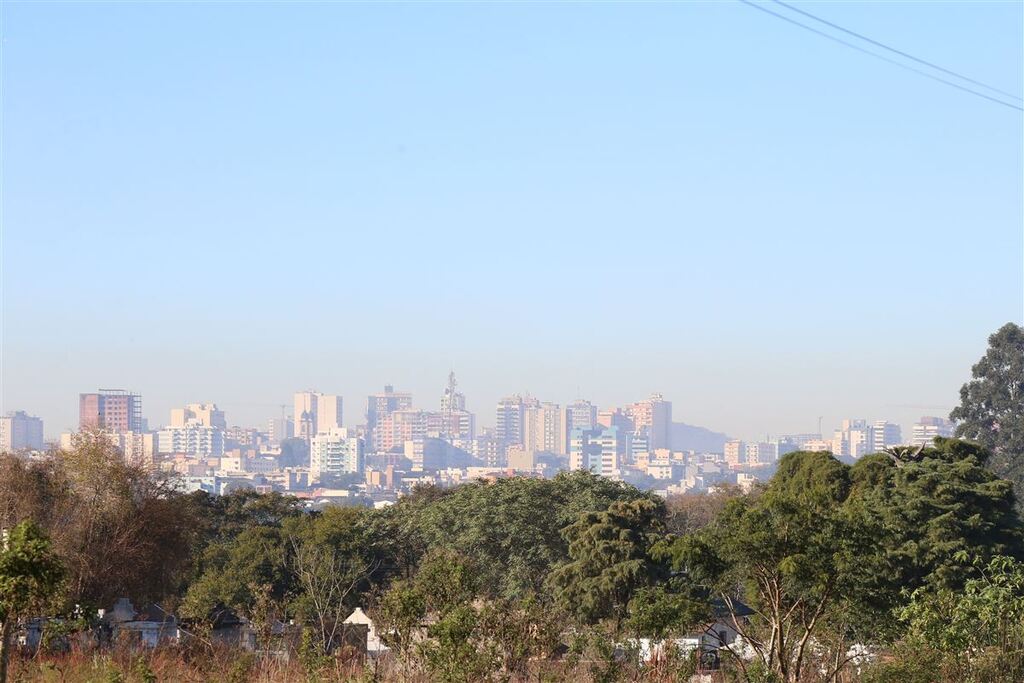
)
(690, 438)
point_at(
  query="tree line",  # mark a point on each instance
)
(906, 565)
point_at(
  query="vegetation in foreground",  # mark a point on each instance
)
(905, 566)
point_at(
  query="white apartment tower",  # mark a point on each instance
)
(335, 452)
(927, 428)
(885, 434)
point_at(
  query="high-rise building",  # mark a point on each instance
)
(281, 428)
(20, 431)
(579, 414)
(459, 423)
(786, 444)
(334, 453)
(885, 434)
(486, 448)
(379, 404)
(137, 448)
(653, 415)
(510, 418)
(116, 410)
(452, 399)
(927, 428)
(203, 413)
(193, 439)
(800, 439)
(735, 452)
(241, 437)
(600, 450)
(615, 418)
(316, 412)
(759, 453)
(397, 427)
(544, 429)
(852, 440)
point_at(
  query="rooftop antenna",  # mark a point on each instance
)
(449, 404)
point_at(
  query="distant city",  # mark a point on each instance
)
(308, 451)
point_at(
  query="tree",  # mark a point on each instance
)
(510, 528)
(991, 409)
(690, 512)
(928, 515)
(332, 562)
(977, 633)
(431, 618)
(790, 552)
(29, 574)
(121, 529)
(609, 560)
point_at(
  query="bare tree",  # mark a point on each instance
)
(329, 580)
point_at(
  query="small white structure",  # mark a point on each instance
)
(374, 645)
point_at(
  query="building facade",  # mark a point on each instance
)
(114, 409)
(316, 412)
(544, 429)
(334, 453)
(378, 405)
(600, 450)
(927, 428)
(653, 416)
(202, 413)
(193, 440)
(20, 431)
(510, 418)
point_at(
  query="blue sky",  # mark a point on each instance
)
(230, 202)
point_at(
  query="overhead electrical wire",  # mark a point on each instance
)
(853, 46)
(894, 50)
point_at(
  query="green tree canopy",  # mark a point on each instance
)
(29, 574)
(610, 559)
(931, 515)
(510, 529)
(991, 409)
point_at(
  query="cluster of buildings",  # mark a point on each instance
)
(394, 445)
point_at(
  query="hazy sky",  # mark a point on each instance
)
(229, 202)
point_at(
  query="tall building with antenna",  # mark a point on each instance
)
(459, 423)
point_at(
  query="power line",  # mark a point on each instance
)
(894, 50)
(878, 56)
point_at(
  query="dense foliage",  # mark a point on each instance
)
(905, 566)
(991, 410)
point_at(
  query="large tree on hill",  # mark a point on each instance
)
(991, 409)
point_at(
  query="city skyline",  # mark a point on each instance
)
(483, 416)
(353, 195)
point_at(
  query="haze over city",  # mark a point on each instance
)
(561, 199)
(515, 341)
